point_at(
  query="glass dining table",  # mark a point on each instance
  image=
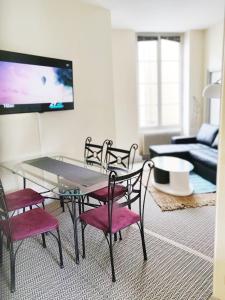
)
(63, 176)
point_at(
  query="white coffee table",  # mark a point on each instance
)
(171, 175)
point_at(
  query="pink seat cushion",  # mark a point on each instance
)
(102, 194)
(121, 218)
(30, 223)
(22, 198)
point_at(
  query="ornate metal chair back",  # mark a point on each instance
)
(116, 157)
(137, 185)
(94, 153)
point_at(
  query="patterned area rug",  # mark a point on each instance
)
(169, 273)
(168, 202)
(203, 195)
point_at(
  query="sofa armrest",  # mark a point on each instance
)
(183, 139)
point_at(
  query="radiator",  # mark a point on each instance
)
(155, 138)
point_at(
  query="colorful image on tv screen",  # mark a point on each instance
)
(33, 84)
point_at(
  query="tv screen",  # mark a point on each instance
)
(30, 83)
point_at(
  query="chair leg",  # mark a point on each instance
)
(74, 216)
(82, 204)
(111, 257)
(43, 205)
(79, 205)
(24, 209)
(30, 207)
(62, 203)
(60, 249)
(115, 237)
(43, 240)
(129, 205)
(7, 244)
(1, 247)
(83, 239)
(12, 268)
(143, 241)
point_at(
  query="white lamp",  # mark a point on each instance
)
(212, 90)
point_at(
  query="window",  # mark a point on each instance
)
(159, 81)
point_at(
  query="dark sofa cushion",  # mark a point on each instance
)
(215, 142)
(183, 139)
(207, 133)
(207, 157)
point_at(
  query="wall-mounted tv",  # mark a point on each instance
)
(30, 83)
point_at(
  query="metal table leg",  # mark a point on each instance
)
(74, 212)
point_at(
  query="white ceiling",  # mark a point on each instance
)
(163, 15)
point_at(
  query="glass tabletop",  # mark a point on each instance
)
(61, 174)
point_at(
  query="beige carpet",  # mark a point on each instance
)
(168, 202)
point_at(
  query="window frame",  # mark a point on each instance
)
(159, 126)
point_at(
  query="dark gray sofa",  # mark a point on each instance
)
(200, 150)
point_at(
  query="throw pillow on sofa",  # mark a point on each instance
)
(207, 134)
(216, 141)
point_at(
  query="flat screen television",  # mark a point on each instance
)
(30, 83)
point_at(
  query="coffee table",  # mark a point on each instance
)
(171, 175)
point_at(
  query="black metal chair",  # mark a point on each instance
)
(115, 216)
(116, 159)
(22, 226)
(94, 154)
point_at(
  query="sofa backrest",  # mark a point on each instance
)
(216, 141)
(207, 134)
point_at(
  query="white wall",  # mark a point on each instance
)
(124, 50)
(219, 260)
(193, 78)
(214, 47)
(196, 79)
(213, 58)
(213, 62)
(186, 85)
(68, 30)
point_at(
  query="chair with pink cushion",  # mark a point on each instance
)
(22, 226)
(116, 159)
(115, 215)
(22, 199)
(94, 154)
